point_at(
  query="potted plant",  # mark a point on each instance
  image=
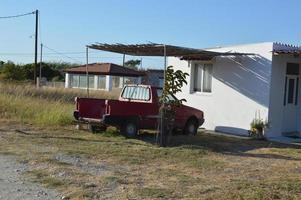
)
(258, 126)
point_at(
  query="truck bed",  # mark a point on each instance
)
(91, 108)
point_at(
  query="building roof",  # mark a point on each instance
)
(105, 69)
(280, 48)
(153, 49)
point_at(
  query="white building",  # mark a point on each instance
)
(231, 89)
(101, 76)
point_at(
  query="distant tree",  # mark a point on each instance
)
(1, 63)
(10, 71)
(132, 64)
(50, 70)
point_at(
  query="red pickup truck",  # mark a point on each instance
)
(137, 108)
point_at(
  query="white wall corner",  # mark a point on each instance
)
(67, 80)
(121, 81)
(95, 81)
(109, 83)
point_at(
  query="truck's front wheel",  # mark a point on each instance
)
(129, 129)
(191, 127)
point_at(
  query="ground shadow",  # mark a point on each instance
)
(204, 140)
(236, 146)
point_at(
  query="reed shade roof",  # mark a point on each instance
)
(153, 49)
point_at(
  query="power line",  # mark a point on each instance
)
(15, 16)
(72, 52)
(60, 53)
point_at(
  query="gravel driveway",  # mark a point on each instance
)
(13, 186)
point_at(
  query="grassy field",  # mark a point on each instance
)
(42, 106)
(108, 166)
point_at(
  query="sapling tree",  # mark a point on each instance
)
(174, 81)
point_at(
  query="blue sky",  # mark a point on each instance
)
(67, 26)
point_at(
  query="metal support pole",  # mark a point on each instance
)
(41, 58)
(87, 73)
(36, 48)
(162, 128)
(123, 64)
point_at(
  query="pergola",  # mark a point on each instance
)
(153, 49)
(161, 50)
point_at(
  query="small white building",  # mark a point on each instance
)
(101, 76)
(231, 89)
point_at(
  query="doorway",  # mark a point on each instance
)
(291, 94)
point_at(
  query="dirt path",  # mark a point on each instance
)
(13, 186)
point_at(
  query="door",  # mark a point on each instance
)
(290, 112)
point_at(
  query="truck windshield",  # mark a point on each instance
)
(136, 93)
(170, 97)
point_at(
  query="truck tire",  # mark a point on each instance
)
(129, 128)
(191, 127)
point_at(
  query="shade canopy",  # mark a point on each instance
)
(153, 49)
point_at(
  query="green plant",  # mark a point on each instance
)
(174, 81)
(258, 125)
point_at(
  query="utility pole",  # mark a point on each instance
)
(36, 48)
(41, 58)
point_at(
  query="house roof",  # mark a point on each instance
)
(280, 48)
(291, 52)
(105, 69)
(153, 49)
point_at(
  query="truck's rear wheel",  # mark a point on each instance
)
(191, 127)
(130, 129)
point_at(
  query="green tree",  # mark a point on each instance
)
(174, 81)
(1, 63)
(10, 71)
(132, 64)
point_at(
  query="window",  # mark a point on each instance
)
(136, 92)
(74, 81)
(291, 88)
(91, 81)
(161, 82)
(101, 82)
(292, 69)
(82, 81)
(170, 96)
(203, 78)
(115, 81)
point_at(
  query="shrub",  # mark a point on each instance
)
(258, 125)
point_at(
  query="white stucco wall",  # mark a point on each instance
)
(67, 80)
(276, 113)
(240, 87)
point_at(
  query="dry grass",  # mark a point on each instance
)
(42, 106)
(108, 166)
(54, 94)
(200, 167)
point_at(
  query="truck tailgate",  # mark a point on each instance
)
(91, 108)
